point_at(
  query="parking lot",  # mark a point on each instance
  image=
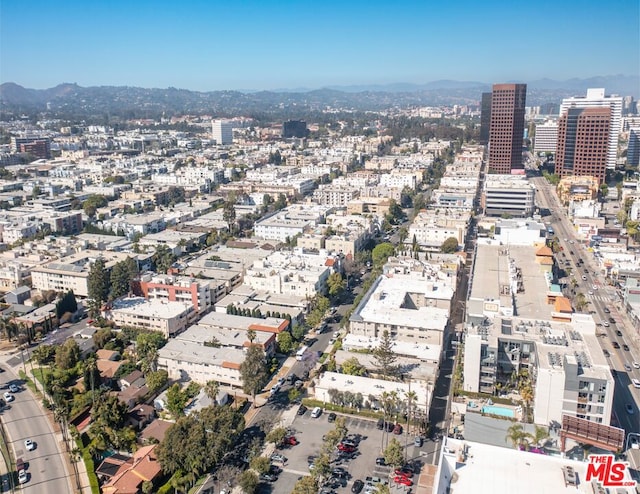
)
(309, 433)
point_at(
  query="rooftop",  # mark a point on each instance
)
(394, 300)
(159, 309)
(494, 470)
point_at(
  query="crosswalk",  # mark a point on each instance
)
(601, 298)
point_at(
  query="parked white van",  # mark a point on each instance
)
(317, 411)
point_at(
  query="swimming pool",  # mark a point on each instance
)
(500, 411)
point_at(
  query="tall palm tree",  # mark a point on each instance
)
(539, 436)
(517, 436)
(411, 396)
(211, 389)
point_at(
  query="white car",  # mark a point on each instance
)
(636, 365)
(9, 397)
(29, 444)
(22, 477)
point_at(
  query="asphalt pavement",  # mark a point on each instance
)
(24, 419)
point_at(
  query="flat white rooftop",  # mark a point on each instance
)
(386, 304)
(494, 470)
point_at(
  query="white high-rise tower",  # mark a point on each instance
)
(596, 98)
(222, 131)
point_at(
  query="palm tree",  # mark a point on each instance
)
(411, 397)
(517, 436)
(539, 436)
(211, 390)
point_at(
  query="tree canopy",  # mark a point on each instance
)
(381, 253)
(98, 285)
(384, 355)
(449, 246)
(254, 371)
(197, 442)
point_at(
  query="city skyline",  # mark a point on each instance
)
(252, 45)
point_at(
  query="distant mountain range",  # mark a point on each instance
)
(73, 101)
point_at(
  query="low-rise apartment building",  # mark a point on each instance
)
(167, 318)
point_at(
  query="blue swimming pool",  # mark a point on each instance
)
(500, 411)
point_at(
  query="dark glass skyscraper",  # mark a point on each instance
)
(506, 128)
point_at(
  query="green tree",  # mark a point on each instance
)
(305, 485)
(384, 355)
(276, 435)
(335, 284)
(211, 389)
(353, 367)
(44, 354)
(297, 331)
(176, 400)
(449, 246)
(395, 214)
(97, 286)
(285, 342)
(248, 481)
(122, 274)
(254, 371)
(92, 203)
(156, 380)
(260, 464)
(229, 215)
(381, 253)
(67, 355)
(281, 202)
(67, 303)
(394, 453)
(102, 337)
(517, 436)
(163, 258)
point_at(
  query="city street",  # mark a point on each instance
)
(602, 299)
(24, 419)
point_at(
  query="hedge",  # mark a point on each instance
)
(90, 467)
(364, 412)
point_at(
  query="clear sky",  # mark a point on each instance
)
(210, 45)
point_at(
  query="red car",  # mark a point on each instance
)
(290, 441)
(397, 429)
(403, 472)
(347, 448)
(400, 479)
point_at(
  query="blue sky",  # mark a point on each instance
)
(209, 45)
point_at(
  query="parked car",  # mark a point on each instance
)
(317, 411)
(357, 486)
(397, 429)
(29, 445)
(625, 347)
(404, 471)
(606, 353)
(275, 470)
(13, 388)
(20, 464)
(612, 320)
(339, 472)
(381, 461)
(618, 332)
(290, 441)
(417, 441)
(302, 410)
(347, 448)
(636, 365)
(615, 345)
(627, 367)
(281, 381)
(278, 458)
(267, 477)
(22, 477)
(331, 417)
(8, 396)
(400, 479)
(606, 310)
